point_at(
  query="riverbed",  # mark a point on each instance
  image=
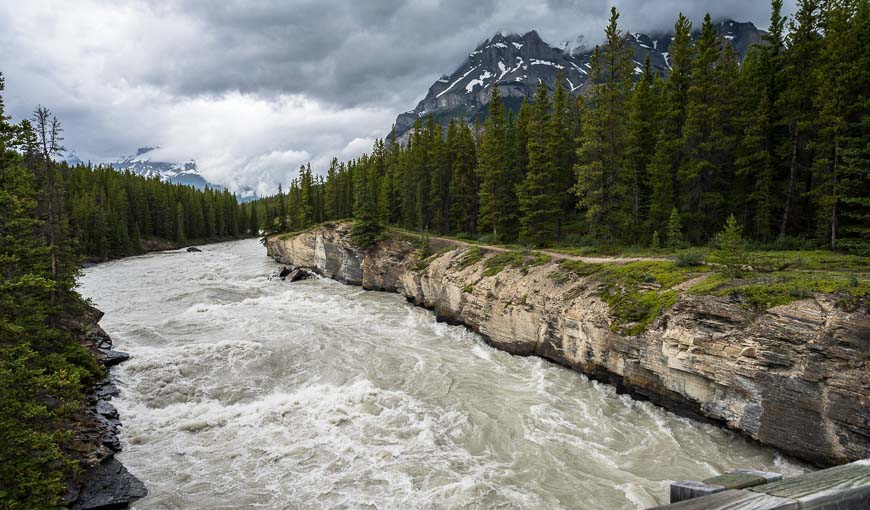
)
(244, 392)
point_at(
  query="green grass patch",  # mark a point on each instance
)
(767, 290)
(471, 256)
(518, 259)
(571, 269)
(761, 260)
(808, 260)
(495, 264)
(638, 292)
(538, 259)
(468, 289)
(635, 310)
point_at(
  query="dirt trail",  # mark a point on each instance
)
(554, 254)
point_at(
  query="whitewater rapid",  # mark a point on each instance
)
(248, 393)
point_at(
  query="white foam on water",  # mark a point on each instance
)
(249, 393)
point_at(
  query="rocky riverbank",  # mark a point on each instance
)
(795, 377)
(103, 482)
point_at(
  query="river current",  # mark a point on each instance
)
(248, 393)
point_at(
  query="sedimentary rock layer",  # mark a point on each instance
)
(796, 377)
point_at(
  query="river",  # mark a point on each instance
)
(248, 393)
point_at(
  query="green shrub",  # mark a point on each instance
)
(424, 248)
(578, 267)
(39, 390)
(675, 230)
(519, 259)
(731, 253)
(365, 234)
(635, 310)
(690, 258)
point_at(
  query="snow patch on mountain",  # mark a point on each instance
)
(519, 63)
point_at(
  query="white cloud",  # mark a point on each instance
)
(250, 90)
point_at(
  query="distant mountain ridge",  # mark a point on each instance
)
(518, 63)
(187, 173)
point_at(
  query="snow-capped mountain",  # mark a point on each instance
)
(72, 159)
(145, 165)
(518, 63)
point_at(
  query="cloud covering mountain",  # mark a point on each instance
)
(251, 90)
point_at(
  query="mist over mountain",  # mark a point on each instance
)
(148, 163)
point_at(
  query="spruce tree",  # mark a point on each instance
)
(642, 122)
(440, 165)
(602, 183)
(840, 168)
(254, 221)
(675, 230)
(180, 235)
(538, 195)
(669, 147)
(797, 106)
(498, 201)
(561, 151)
(707, 134)
(332, 194)
(282, 212)
(731, 249)
(464, 186)
(754, 159)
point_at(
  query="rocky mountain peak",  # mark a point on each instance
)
(519, 63)
(143, 150)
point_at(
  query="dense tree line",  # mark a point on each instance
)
(779, 141)
(113, 214)
(43, 367)
(52, 216)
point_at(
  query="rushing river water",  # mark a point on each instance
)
(249, 393)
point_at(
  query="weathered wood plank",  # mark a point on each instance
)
(736, 480)
(767, 475)
(844, 487)
(735, 500)
(834, 484)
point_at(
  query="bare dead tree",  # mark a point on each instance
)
(49, 135)
(48, 132)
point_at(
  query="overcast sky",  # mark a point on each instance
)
(252, 89)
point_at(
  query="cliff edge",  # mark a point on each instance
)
(795, 376)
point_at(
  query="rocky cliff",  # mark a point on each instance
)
(795, 377)
(103, 482)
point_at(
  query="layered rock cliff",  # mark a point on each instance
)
(795, 377)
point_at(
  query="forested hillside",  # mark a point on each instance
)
(113, 214)
(52, 217)
(780, 142)
(43, 367)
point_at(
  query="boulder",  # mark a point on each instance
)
(111, 358)
(108, 485)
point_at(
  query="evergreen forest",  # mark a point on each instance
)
(780, 141)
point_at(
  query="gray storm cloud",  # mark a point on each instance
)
(252, 89)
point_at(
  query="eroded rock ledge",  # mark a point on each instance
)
(796, 377)
(103, 482)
